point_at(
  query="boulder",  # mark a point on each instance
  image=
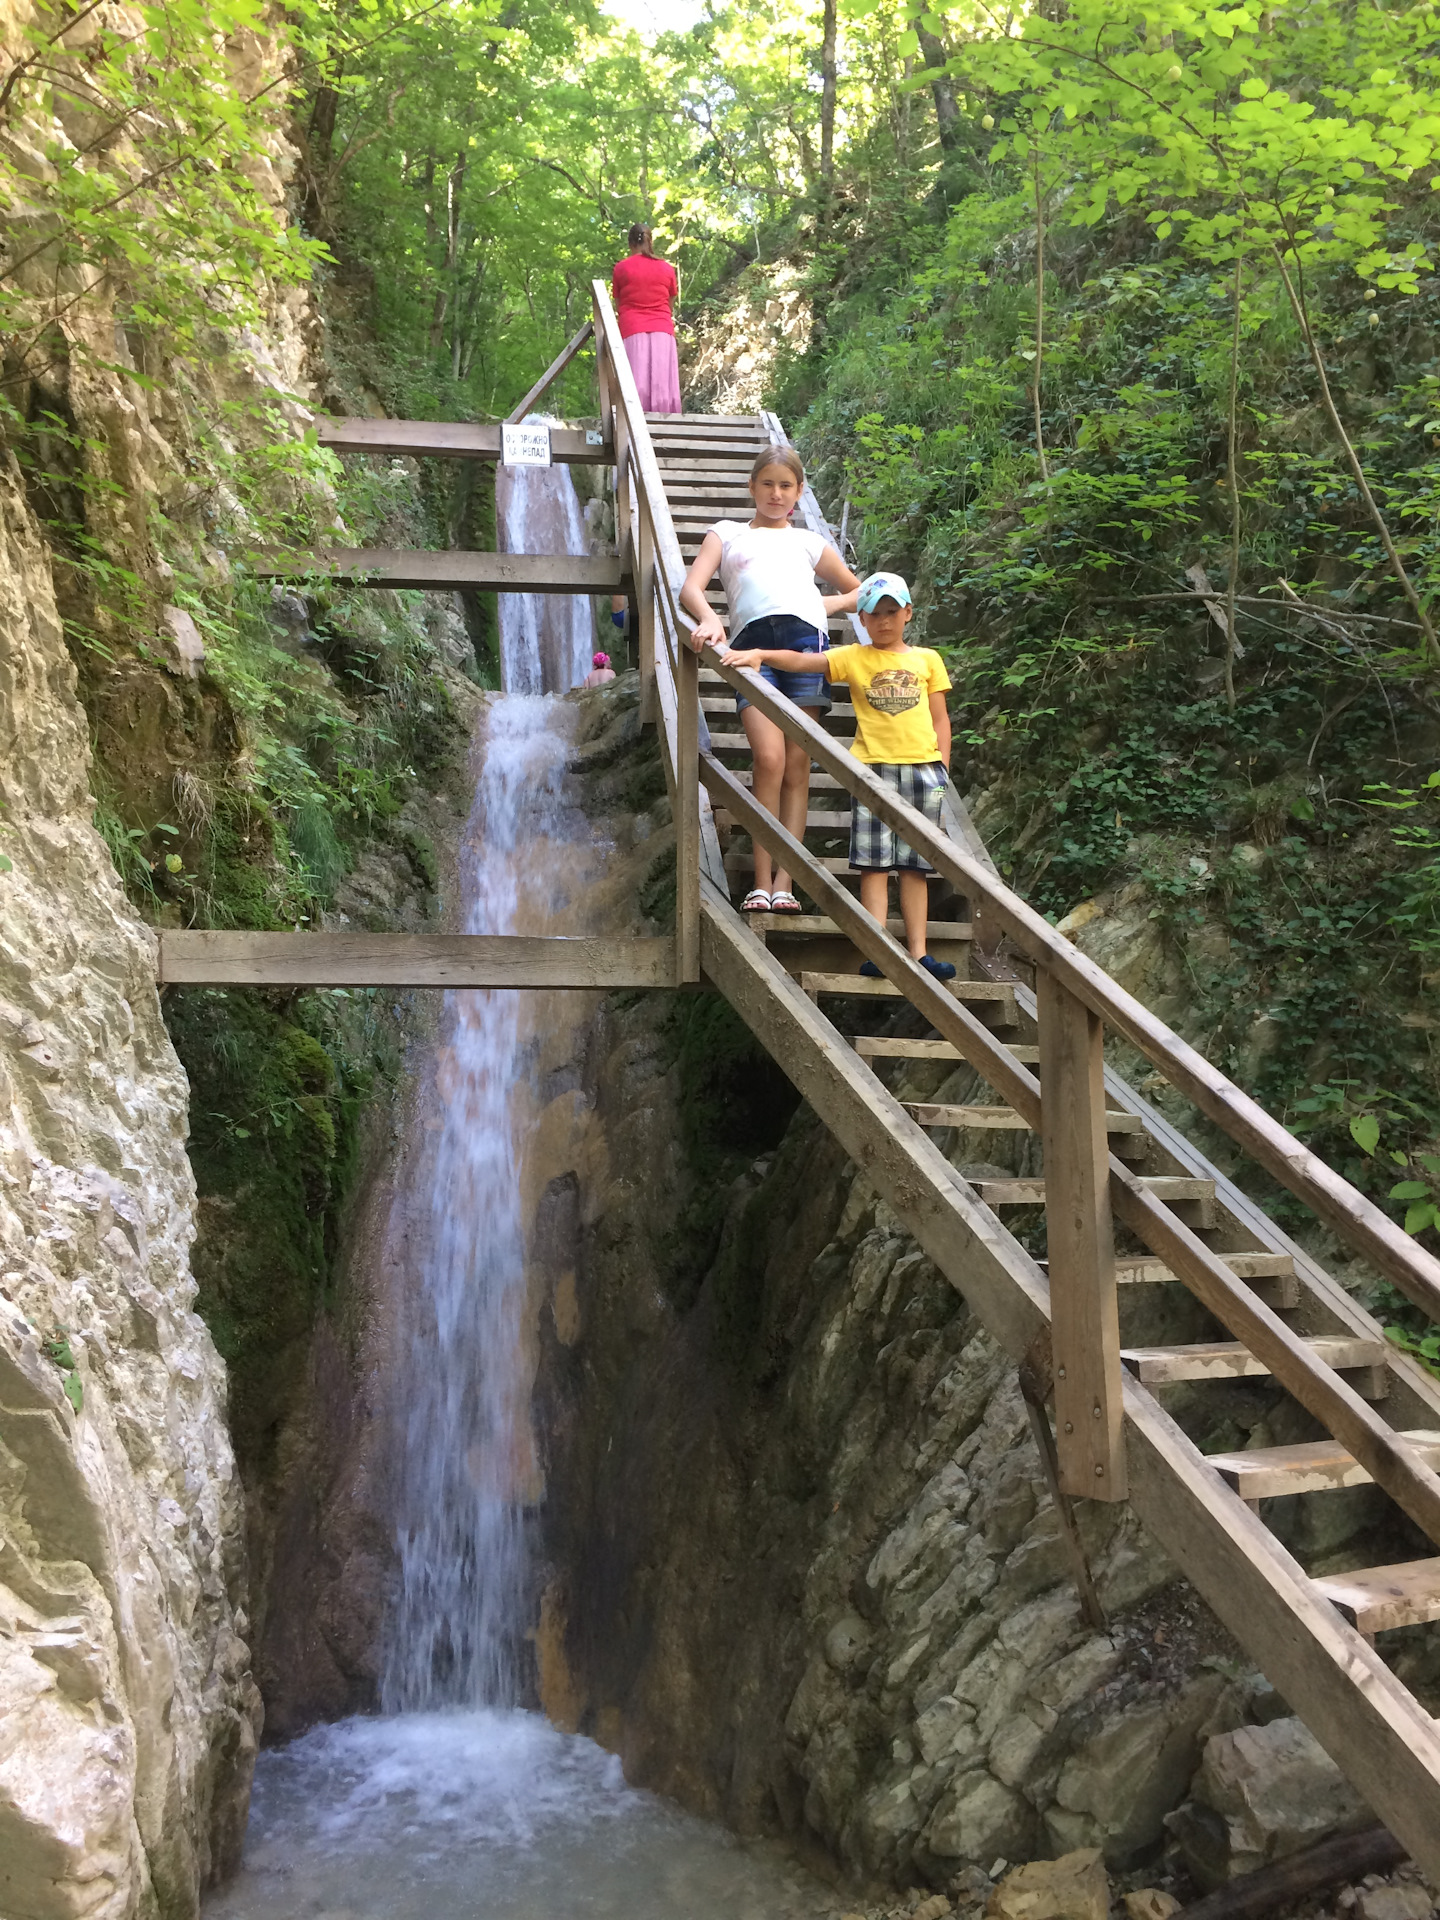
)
(1262, 1793)
(1403, 1900)
(1150, 1903)
(1074, 1887)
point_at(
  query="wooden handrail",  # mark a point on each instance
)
(551, 374)
(1357, 1221)
(659, 568)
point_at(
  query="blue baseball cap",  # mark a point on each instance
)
(875, 589)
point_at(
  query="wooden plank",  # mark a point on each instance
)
(551, 374)
(946, 1014)
(858, 987)
(1314, 1466)
(1391, 1461)
(1165, 1187)
(1369, 1724)
(1080, 1246)
(439, 572)
(1377, 1598)
(409, 960)
(983, 1262)
(1004, 1118)
(878, 1047)
(819, 925)
(1230, 1360)
(449, 440)
(1357, 1221)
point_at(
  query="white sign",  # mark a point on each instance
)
(594, 438)
(525, 446)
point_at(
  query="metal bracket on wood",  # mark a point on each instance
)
(1036, 1372)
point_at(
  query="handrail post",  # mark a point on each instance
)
(645, 607)
(687, 812)
(1084, 1313)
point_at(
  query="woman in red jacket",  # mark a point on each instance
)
(645, 293)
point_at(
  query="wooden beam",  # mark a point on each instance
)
(1358, 1221)
(437, 572)
(450, 440)
(1080, 1242)
(551, 374)
(410, 960)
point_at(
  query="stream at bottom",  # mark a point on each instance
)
(487, 1815)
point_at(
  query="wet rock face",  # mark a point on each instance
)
(129, 1719)
(812, 1578)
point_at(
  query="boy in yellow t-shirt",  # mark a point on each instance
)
(902, 733)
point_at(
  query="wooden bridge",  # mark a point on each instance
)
(1107, 1154)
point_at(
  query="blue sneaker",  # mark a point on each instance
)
(870, 971)
(942, 969)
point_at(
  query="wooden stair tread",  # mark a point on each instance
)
(838, 863)
(990, 991)
(1272, 1275)
(1230, 1360)
(821, 924)
(1169, 1187)
(1314, 1466)
(1005, 1118)
(737, 743)
(1375, 1598)
(879, 1047)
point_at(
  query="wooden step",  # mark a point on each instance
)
(1315, 1466)
(1376, 1598)
(1004, 1118)
(879, 1047)
(814, 822)
(855, 986)
(836, 863)
(1229, 1360)
(820, 924)
(1274, 1274)
(1168, 1187)
(737, 743)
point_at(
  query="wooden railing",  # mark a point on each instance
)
(1085, 1185)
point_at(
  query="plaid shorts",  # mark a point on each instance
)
(873, 845)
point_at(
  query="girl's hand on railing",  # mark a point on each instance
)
(709, 632)
(754, 657)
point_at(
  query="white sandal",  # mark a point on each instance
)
(756, 901)
(785, 902)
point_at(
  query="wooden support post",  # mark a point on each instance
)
(1035, 1384)
(606, 385)
(644, 609)
(687, 813)
(1084, 1315)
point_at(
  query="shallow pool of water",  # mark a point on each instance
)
(487, 1816)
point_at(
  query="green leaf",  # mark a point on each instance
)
(74, 1390)
(1365, 1132)
(1417, 1219)
(7, 865)
(1409, 1190)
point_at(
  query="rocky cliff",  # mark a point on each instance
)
(130, 1719)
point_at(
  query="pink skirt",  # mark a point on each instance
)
(656, 367)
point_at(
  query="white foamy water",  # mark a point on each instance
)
(487, 1816)
(546, 640)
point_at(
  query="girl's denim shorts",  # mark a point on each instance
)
(786, 630)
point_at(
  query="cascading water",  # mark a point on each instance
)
(545, 639)
(456, 1800)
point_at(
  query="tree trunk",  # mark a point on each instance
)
(319, 148)
(947, 114)
(827, 98)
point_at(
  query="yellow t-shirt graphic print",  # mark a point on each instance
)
(891, 687)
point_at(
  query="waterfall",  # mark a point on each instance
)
(546, 640)
(466, 1468)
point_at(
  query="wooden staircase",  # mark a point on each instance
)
(1125, 1203)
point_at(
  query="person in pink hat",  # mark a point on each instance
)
(601, 672)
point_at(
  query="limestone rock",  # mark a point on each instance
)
(1401, 1900)
(1150, 1903)
(184, 648)
(1074, 1887)
(1262, 1793)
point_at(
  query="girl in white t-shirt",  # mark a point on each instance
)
(768, 569)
